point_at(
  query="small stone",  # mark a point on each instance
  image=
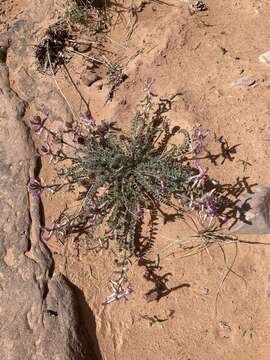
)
(88, 78)
(99, 84)
(90, 65)
(83, 46)
(244, 81)
(265, 58)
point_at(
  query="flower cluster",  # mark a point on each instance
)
(199, 136)
(92, 213)
(46, 233)
(118, 293)
(198, 180)
(35, 187)
(207, 206)
(39, 123)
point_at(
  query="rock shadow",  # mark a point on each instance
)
(88, 326)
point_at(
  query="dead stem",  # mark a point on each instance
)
(76, 88)
(85, 56)
(58, 87)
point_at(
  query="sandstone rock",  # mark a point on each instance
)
(39, 316)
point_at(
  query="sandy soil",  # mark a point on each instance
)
(199, 56)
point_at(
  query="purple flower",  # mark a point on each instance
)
(103, 127)
(45, 149)
(50, 231)
(93, 213)
(199, 137)
(199, 179)
(118, 293)
(92, 217)
(38, 123)
(207, 206)
(89, 118)
(207, 203)
(139, 211)
(35, 187)
(162, 185)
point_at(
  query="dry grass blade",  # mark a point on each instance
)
(229, 269)
(206, 235)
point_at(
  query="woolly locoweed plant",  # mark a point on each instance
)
(119, 176)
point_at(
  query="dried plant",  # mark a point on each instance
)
(116, 77)
(50, 51)
(206, 233)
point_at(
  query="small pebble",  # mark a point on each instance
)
(90, 65)
(265, 58)
(83, 48)
(83, 45)
(88, 78)
(99, 84)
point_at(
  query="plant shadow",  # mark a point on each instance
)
(226, 152)
(230, 194)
